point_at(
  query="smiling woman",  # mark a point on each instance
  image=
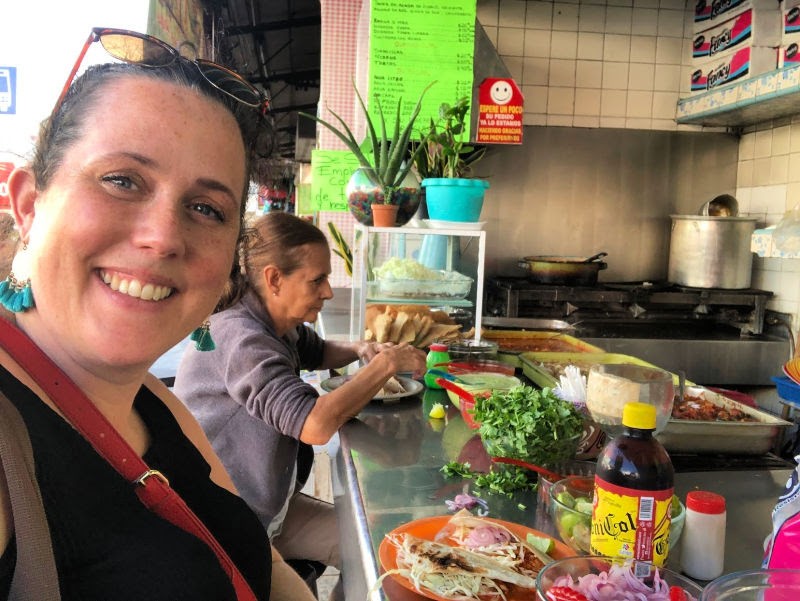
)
(129, 221)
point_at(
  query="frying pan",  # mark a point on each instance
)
(575, 271)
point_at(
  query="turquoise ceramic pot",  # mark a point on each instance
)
(454, 199)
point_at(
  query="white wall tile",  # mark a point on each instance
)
(670, 23)
(667, 78)
(589, 74)
(617, 47)
(487, 12)
(581, 121)
(778, 173)
(763, 144)
(618, 19)
(565, 16)
(562, 73)
(794, 167)
(560, 120)
(511, 41)
(613, 104)
(668, 51)
(615, 76)
(587, 102)
(747, 145)
(536, 71)
(561, 101)
(641, 76)
(535, 99)
(780, 140)
(512, 13)
(592, 18)
(590, 46)
(640, 104)
(644, 21)
(643, 49)
(539, 15)
(564, 44)
(537, 42)
(664, 104)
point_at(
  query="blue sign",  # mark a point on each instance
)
(8, 90)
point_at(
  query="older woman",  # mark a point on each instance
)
(249, 398)
(128, 220)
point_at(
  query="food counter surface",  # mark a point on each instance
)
(387, 473)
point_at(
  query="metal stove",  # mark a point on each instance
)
(716, 336)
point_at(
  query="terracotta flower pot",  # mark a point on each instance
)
(362, 192)
(384, 215)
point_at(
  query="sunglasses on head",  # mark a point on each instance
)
(143, 49)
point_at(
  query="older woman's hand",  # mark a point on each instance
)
(366, 351)
(404, 358)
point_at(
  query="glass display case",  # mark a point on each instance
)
(439, 268)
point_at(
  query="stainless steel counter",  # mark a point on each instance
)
(387, 472)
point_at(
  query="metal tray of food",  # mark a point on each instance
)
(754, 437)
(519, 341)
(545, 368)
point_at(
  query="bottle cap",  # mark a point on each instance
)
(639, 415)
(438, 347)
(705, 502)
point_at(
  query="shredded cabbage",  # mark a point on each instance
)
(406, 269)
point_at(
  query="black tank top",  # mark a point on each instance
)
(107, 544)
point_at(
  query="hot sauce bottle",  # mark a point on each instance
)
(634, 484)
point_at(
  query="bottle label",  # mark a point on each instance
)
(631, 523)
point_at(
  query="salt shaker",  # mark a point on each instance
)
(703, 540)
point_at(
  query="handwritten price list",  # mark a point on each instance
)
(416, 42)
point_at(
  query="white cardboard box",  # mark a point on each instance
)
(749, 28)
(744, 63)
(709, 13)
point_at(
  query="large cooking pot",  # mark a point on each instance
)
(570, 271)
(711, 252)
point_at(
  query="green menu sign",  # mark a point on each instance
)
(330, 171)
(416, 42)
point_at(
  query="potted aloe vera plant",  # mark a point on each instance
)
(384, 176)
(444, 160)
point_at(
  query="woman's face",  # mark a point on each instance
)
(133, 240)
(303, 293)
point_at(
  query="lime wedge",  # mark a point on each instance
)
(545, 544)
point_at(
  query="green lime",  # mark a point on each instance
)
(568, 521)
(545, 544)
(565, 498)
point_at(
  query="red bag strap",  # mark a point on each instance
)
(152, 487)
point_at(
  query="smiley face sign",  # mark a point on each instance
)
(500, 112)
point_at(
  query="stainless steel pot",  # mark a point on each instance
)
(711, 252)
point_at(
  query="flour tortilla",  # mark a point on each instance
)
(446, 559)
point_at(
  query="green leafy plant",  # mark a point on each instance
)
(441, 150)
(342, 248)
(384, 158)
(529, 424)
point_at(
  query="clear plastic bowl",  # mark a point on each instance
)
(555, 573)
(755, 585)
(450, 285)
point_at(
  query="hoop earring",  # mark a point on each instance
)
(202, 339)
(16, 294)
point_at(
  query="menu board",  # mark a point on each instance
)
(330, 172)
(414, 43)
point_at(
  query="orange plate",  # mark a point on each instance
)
(428, 527)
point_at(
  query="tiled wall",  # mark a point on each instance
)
(594, 63)
(768, 184)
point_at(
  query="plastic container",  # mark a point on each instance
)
(454, 199)
(634, 484)
(436, 354)
(703, 544)
(755, 585)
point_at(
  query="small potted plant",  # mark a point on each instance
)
(384, 177)
(445, 166)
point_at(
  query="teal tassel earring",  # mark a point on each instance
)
(202, 337)
(16, 294)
